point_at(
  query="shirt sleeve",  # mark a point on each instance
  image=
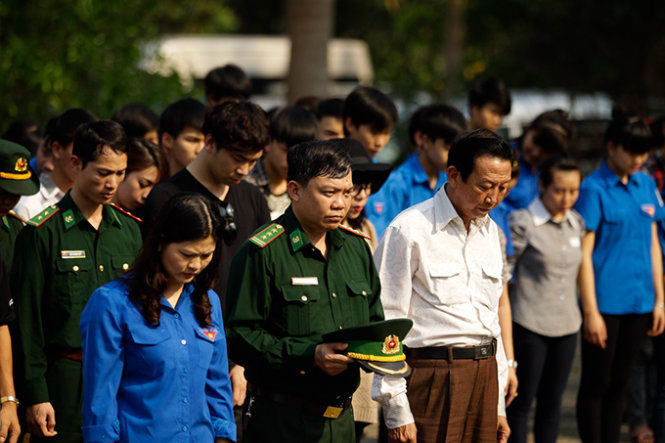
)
(102, 329)
(218, 385)
(518, 233)
(27, 285)
(249, 300)
(396, 277)
(589, 206)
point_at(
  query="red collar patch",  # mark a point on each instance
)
(210, 333)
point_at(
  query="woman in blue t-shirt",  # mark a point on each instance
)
(620, 278)
(154, 350)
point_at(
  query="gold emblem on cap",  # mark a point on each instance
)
(390, 345)
(21, 165)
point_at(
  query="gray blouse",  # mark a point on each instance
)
(545, 266)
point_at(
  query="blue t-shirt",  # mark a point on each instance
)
(525, 190)
(147, 383)
(500, 217)
(407, 185)
(621, 216)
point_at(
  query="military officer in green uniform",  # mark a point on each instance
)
(296, 279)
(16, 179)
(63, 254)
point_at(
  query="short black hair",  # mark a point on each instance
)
(437, 121)
(472, 145)
(552, 131)
(180, 114)
(292, 125)
(490, 90)
(369, 106)
(318, 158)
(629, 131)
(330, 107)
(238, 126)
(136, 119)
(91, 138)
(556, 163)
(62, 128)
(228, 81)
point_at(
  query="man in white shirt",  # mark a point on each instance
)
(440, 264)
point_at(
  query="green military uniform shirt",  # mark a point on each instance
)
(284, 295)
(60, 260)
(10, 225)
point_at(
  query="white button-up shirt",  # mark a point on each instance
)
(49, 194)
(447, 281)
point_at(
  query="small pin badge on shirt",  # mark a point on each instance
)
(210, 333)
(649, 209)
(304, 281)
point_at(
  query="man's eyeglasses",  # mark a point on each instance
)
(228, 217)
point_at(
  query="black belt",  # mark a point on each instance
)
(313, 407)
(480, 352)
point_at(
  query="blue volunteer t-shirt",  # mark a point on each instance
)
(621, 216)
(406, 186)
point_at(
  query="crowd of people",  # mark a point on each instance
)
(186, 276)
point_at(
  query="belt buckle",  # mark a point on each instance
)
(481, 352)
(332, 412)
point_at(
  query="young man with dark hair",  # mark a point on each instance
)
(62, 255)
(440, 264)
(288, 127)
(138, 121)
(181, 133)
(489, 102)
(432, 130)
(298, 278)
(369, 116)
(58, 144)
(235, 135)
(331, 121)
(228, 82)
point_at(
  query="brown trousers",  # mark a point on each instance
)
(454, 401)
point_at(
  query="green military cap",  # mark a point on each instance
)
(16, 175)
(377, 346)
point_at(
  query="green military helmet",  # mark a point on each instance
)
(16, 175)
(377, 346)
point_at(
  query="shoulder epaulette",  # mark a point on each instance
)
(124, 211)
(353, 231)
(44, 215)
(15, 215)
(263, 238)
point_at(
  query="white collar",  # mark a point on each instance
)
(541, 215)
(445, 212)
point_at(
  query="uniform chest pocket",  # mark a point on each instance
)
(446, 282)
(359, 293)
(205, 343)
(121, 264)
(300, 304)
(492, 284)
(147, 345)
(72, 281)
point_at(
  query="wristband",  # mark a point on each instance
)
(659, 304)
(9, 398)
(511, 364)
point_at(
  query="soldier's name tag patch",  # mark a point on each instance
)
(304, 281)
(72, 254)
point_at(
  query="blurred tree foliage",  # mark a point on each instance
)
(59, 54)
